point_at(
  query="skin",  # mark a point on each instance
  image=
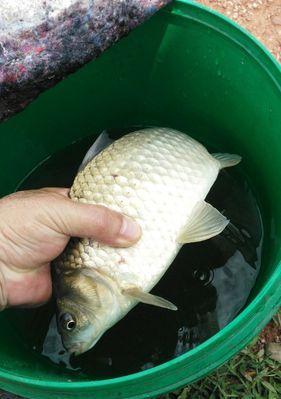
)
(35, 227)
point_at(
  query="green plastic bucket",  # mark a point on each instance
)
(193, 70)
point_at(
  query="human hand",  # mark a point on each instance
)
(35, 227)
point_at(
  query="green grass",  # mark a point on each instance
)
(252, 374)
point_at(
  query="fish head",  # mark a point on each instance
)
(86, 307)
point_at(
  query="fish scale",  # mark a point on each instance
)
(160, 177)
(144, 189)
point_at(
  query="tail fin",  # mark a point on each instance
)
(227, 160)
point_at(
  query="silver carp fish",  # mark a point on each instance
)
(159, 177)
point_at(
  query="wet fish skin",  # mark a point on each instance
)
(160, 177)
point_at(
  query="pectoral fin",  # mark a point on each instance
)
(148, 298)
(204, 223)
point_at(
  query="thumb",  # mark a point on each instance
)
(77, 219)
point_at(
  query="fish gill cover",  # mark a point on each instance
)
(42, 41)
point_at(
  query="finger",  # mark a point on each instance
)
(104, 225)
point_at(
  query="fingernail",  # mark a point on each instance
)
(130, 231)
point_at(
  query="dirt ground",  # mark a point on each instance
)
(261, 17)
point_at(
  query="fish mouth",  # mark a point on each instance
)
(77, 348)
(80, 347)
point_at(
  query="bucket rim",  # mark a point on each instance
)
(269, 297)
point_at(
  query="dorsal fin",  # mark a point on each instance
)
(100, 144)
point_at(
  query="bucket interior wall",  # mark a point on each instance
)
(172, 71)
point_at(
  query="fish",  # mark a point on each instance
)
(160, 178)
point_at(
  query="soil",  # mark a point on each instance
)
(261, 17)
(271, 333)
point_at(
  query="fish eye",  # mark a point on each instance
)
(67, 321)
